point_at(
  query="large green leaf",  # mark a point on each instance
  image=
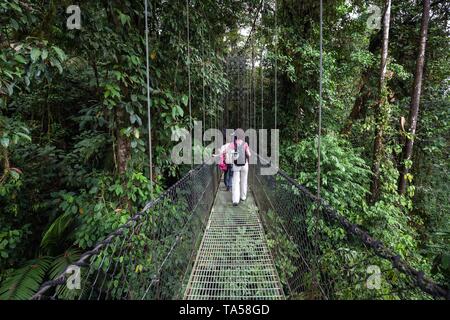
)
(22, 283)
(59, 265)
(35, 54)
(58, 230)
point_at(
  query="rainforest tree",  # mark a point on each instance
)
(74, 160)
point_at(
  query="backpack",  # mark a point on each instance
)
(222, 165)
(240, 156)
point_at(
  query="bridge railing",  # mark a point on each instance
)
(319, 254)
(149, 257)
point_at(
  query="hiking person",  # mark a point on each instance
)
(241, 152)
(226, 164)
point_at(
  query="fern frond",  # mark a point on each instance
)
(59, 265)
(22, 283)
(63, 261)
(56, 233)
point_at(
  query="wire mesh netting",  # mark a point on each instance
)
(233, 261)
(151, 256)
(319, 254)
(306, 250)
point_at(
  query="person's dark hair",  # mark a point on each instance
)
(239, 134)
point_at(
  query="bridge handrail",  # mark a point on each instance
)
(328, 214)
(380, 249)
(82, 261)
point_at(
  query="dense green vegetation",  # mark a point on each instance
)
(73, 117)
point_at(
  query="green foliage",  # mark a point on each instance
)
(73, 111)
(59, 264)
(22, 283)
(345, 175)
(284, 251)
(432, 208)
(13, 132)
(9, 241)
(345, 183)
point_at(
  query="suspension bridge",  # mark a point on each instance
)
(283, 242)
(189, 243)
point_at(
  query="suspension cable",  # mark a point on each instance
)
(253, 86)
(225, 119)
(261, 67)
(216, 100)
(276, 64)
(149, 116)
(247, 112)
(216, 107)
(238, 118)
(319, 130)
(262, 87)
(319, 136)
(203, 85)
(189, 73)
(210, 83)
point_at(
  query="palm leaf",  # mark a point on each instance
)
(24, 282)
(59, 265)
(57, 232)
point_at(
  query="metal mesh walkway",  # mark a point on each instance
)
(233, 261)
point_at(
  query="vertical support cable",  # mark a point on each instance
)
(189, 74)
(226, 106)
(210, 100)
(262, 71)
(238, 118)
(225, 111)
(250, 100)
(276, 64)
(203, 87)
(247, 112)
(319, 130)
(253, 86)
(216, 108)
(210, 107)
(149, 116)
(319, 135)
(262, 87)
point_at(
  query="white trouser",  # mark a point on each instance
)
(240, 175)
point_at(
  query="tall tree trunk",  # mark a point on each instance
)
(360, 103)
(415, 99)
(379, 110)
(364, 88)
